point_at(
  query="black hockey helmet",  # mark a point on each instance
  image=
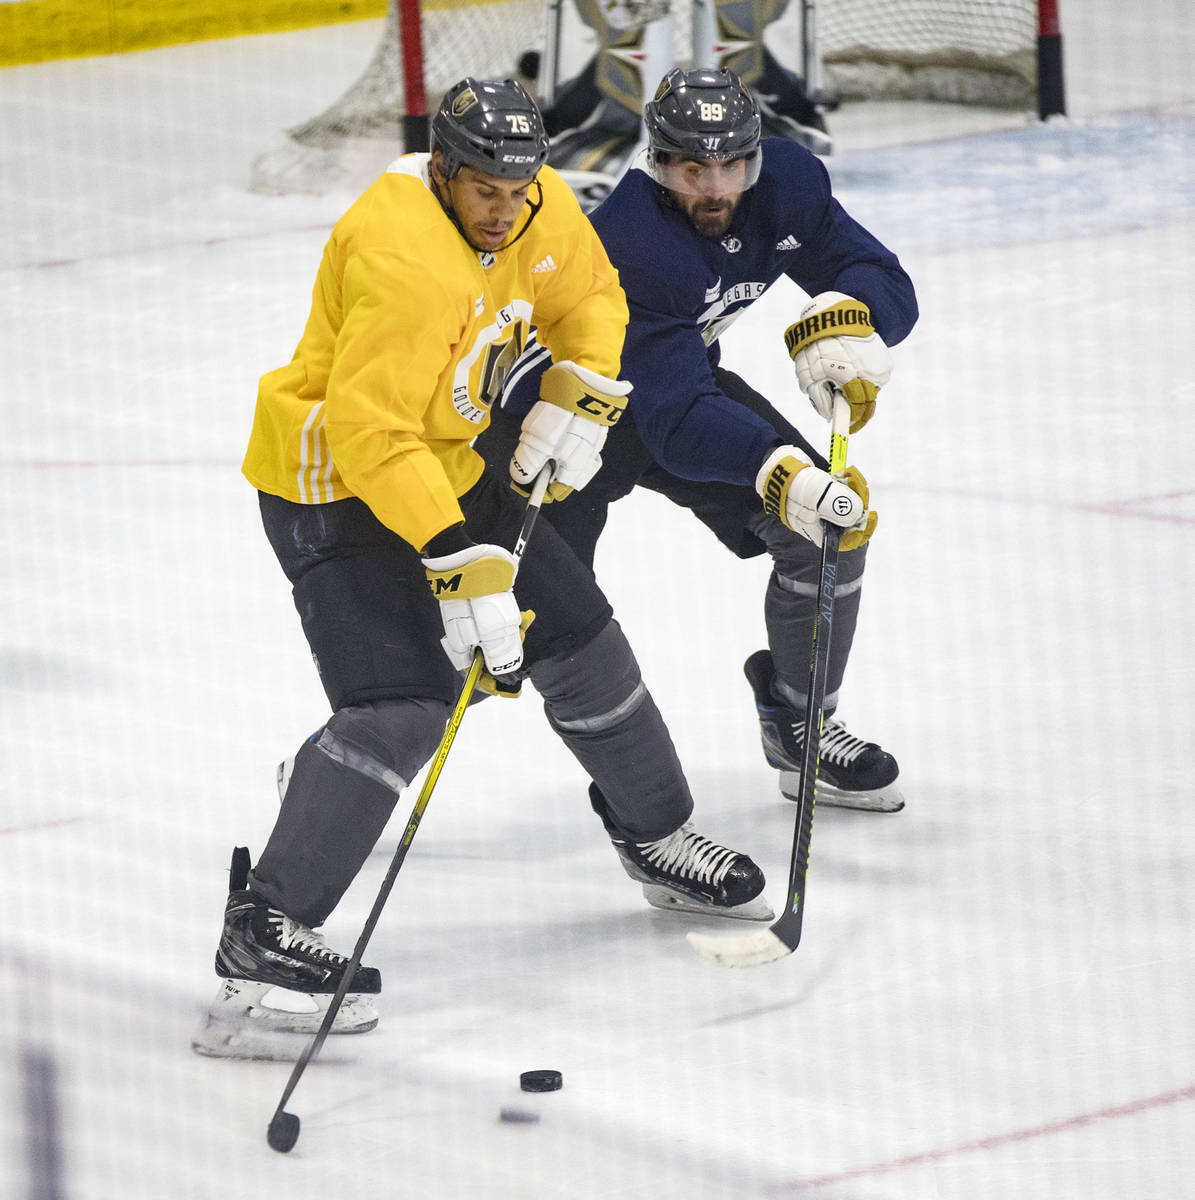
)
(703, 114)
(493, 127)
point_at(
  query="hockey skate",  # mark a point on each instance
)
(689, 873)
(279, 977)
(851, 773)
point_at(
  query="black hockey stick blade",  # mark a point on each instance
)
(283, 1132)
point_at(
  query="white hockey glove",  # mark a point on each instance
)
(802, 496)
(834, 345)
(567, 425)
(478, 607)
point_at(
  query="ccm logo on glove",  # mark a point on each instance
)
(485, 575)
(567, 426)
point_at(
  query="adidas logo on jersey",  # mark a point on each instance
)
(545, 264)
(788, 243)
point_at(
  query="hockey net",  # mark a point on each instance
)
(977, 52)
(964, 51)
(484, 38)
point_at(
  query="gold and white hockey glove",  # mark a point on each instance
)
(802, 496)
(478, 607)
(568, 425)
(834, 345)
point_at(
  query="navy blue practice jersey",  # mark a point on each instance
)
(683, 289)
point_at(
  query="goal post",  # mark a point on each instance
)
(1051, 93)
(415, 117)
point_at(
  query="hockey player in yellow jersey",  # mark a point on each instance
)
(370, 490)
(424, 315)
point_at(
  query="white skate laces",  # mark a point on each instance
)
(839, 744)
(293, 936)
(684, 852)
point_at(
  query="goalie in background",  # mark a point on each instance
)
(370, 491)
(594, 118)
(707, 218)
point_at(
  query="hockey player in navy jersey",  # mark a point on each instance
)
(707, 218)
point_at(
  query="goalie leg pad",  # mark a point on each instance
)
(344, 785)
(597, 702)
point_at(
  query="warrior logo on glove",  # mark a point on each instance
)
(831, 320)
(835, 348)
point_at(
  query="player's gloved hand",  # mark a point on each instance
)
(568, 425)
(478, 607)
(506, 687)
(803, 496)
(834, 345)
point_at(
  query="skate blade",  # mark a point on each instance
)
(659, 896)
(217, 1037)
(887, 799)
(256, 1020)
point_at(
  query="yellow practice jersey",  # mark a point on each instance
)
(410, 336)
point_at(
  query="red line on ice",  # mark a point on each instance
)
(995, 1141)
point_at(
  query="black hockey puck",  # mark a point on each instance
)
(541, 1081)
(283, 1132)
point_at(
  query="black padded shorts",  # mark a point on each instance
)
(369, 617)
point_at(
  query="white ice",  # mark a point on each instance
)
(993, 996)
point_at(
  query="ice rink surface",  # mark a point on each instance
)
(993, 996)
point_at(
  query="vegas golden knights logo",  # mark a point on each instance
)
(462, 103)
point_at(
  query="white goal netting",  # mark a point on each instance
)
(969, 51)
(982, 51)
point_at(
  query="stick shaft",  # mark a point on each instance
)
(425, 793)
(788, 927)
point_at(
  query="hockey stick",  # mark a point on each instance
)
(283, 1131)
(770, 945)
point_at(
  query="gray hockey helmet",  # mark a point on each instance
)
(493, 127)
(701, 114)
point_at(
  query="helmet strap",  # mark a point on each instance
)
(444, 195)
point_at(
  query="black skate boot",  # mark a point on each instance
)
(688, 872)
(268, 964)
(262, 944)
(851, 773)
